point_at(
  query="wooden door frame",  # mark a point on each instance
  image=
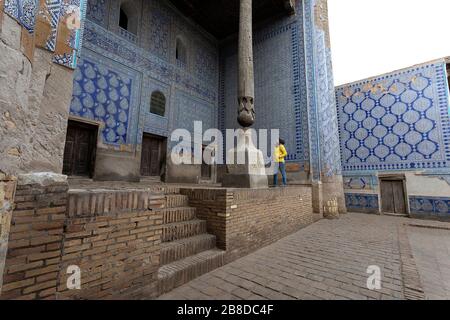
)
(213, 169)
(394, 177)
(95, 126)
(163, 153)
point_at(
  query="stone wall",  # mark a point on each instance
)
(246, 220)
(113, 237)
(34, 105)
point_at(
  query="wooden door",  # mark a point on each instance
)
(151, 159)
(393, 196)
(79, 151)
(206, 168)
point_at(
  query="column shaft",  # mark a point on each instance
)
(246, 90)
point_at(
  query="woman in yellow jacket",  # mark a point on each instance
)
(280, 164)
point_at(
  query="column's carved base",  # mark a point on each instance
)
(252, 172)
(328, 198)
(333, 197)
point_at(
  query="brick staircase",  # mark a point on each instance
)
(187, 250)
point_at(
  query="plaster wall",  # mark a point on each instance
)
(427, 185)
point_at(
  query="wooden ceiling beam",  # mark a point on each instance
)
(221, 17)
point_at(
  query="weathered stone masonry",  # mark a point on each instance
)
(34, 99)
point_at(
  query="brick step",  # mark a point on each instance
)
(89, 202)
(172, 215)
(177, 200)
(180, 272)
(181, 230)
(171, 190)
(177, 250)
(165, 189)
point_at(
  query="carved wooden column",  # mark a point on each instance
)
(246, 93)
(250, 172)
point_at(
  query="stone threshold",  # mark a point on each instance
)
(430, 226)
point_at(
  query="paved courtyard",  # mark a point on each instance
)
(329, 260)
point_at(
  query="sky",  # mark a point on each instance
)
(372, 37)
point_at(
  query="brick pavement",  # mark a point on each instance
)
(431, 250)
(329, 260)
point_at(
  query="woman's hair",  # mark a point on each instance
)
(282, 142)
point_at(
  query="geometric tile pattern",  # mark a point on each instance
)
(361, 202)
(103, 95)
(189, 109)
(97, 11)
(394, 122)
(123, 52)
(300, 90)
(206, 65)
(288, 95)
(324, 148)
(67, 47)
(160, 30)
(191, 93)
(434, 206)
(24, 11)
(328, 123)
(277, 85)
(61, 25)
(274, 95)
(149, 122)
(54, 9)
(310, 62)
(359, 183)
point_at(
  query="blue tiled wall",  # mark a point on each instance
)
(104, 94)
(399, 121)
(358, 202)
(293, 79)
(395, 123)
(277, 86)
(430, 206)
(293, 87)
(144, 65)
